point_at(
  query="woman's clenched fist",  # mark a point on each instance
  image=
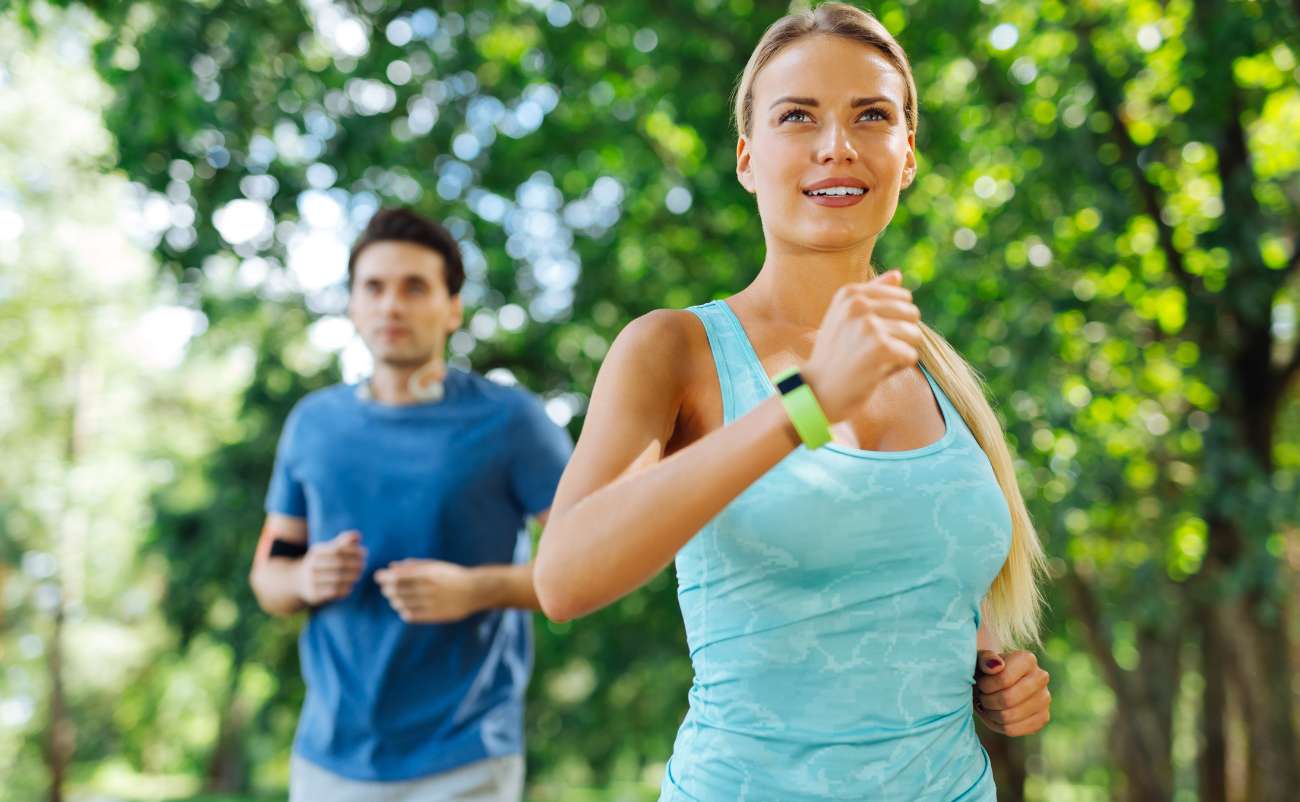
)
(871, 330)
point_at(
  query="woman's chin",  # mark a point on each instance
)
(837, 238)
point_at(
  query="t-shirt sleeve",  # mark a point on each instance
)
(285, 495)
(541, 449)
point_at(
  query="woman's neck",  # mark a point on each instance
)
(795, 287)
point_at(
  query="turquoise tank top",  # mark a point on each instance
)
(831, 612)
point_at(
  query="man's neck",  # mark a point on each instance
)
(390, 384)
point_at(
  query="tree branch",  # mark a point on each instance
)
(1108, 97)
(1289, 370)
(1239, 229)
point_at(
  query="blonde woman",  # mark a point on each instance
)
(825, 470)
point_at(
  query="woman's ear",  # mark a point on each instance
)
(744, 171)
(909, 162)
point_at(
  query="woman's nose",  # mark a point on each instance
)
(836, 146)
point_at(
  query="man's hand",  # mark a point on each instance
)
(330, 569)
(1011, 694)
(431, 591)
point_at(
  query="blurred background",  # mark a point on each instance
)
(1105, 224)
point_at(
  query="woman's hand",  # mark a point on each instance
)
(1011, 694)
(870, 331)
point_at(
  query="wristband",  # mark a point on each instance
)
(802, 407)
(285, 548)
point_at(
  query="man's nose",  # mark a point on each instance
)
(390, 303)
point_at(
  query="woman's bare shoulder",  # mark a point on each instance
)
(667, 342)
(676, 360)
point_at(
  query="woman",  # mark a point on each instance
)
(834, 593)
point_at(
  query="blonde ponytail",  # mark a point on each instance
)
(1013, 604)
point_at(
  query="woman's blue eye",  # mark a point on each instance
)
(799, 115)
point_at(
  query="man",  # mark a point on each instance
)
(393, 517)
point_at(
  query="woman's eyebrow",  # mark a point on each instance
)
(798, 101)
(858, 102)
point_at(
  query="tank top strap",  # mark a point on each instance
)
(952, 418)
(740, 373)
(740, 377)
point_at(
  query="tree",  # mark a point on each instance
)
(1104, 225)
(73, 293)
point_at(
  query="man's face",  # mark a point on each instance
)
(400, 305)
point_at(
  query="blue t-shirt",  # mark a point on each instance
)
(452, 480)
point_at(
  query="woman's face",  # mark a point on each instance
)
(828, 150)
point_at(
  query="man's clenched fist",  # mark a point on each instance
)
(430, 591)
(330, 569)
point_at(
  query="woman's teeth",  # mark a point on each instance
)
(832, 191)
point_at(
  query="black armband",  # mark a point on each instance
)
(286, 548)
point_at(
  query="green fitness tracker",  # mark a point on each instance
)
(802, 407)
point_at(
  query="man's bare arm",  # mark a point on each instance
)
(285, 585)
(276, 580)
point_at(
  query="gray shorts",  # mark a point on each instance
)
(496, 779)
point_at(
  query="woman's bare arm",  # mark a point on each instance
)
(622, 511)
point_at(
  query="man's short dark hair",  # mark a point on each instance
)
(404, 225)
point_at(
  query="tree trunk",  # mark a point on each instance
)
(1213, 759)
(59, 738)
(1253, 650)
(1291, 621)
(1259, 674)
(1007, 756)
(1142, 746)
(1157, 680)
(1237, 743)
(227, 768)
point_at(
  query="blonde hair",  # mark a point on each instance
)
(1013, 604)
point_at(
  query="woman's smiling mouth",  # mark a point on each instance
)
(836, 191)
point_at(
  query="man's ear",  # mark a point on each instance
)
(457, 317)
(909, 162)
(352, 307)
(744, 170)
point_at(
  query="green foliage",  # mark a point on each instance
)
(1103, 225)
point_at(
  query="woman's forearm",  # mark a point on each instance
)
(618, 537)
